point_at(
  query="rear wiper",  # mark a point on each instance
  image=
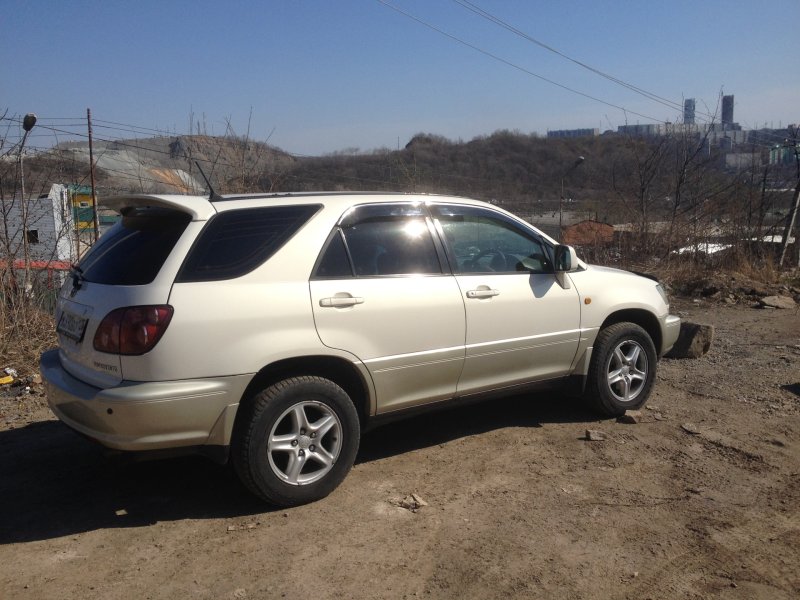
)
(77, 277)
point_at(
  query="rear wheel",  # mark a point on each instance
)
(296, 441)
(622, 370)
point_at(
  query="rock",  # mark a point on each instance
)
(594, 435)
(412, 502)
(691, 428)
(419, 500)
(778, 302)
(631, 417)
(693, 341)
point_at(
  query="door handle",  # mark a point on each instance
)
(483, 293)
(339, 302)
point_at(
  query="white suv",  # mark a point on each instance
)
(273, 329)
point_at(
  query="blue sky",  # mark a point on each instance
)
(327, 75)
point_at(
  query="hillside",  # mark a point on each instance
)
(623, 179)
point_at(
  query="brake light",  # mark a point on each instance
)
(132, 330)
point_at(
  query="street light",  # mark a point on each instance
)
(575, 165)
(27, 124)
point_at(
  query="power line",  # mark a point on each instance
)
(505, 25)
(514, 65)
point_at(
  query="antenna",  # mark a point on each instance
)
(213, 196)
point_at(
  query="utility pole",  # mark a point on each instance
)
(91, 174)
(795, 201)
(576, 164)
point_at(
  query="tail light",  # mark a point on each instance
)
(132, 330)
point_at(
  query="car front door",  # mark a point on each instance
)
(521, 324)
(380, 292)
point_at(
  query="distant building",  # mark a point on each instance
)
(688, 111)
(588, 233)
(648, 130)
(572, 133)
(727, 110)
(44, 224)
(743, 161)
(83, 209)
(781, 155)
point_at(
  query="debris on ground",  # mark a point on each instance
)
(9, 376)
(631, 417)
(691, 428)
(595, 435)
(243, 526)
(412, 502)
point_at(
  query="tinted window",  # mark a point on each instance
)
(392, 246)
(380, 239)
(334, 263)
(235, 242)
(482, 241)
(133, 251)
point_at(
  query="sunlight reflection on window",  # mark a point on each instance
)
(415, 229)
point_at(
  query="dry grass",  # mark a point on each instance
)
(27, 331)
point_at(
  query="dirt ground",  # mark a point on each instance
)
(700, 500)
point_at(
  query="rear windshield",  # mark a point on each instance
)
(133, 252)
(236, 242)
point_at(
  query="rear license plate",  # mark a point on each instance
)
(72, 326)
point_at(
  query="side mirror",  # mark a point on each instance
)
(566, 259)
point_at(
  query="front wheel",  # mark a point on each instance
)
(296, 440)
(622, 370)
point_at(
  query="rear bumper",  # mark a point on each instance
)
(145, 415)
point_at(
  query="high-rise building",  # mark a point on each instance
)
(727, 110)
(688, 111)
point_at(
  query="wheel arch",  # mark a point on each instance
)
(336, 369)
(643, 318)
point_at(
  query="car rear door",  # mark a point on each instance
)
(380, 292)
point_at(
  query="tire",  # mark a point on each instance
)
(296, 440)
(622, 370)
